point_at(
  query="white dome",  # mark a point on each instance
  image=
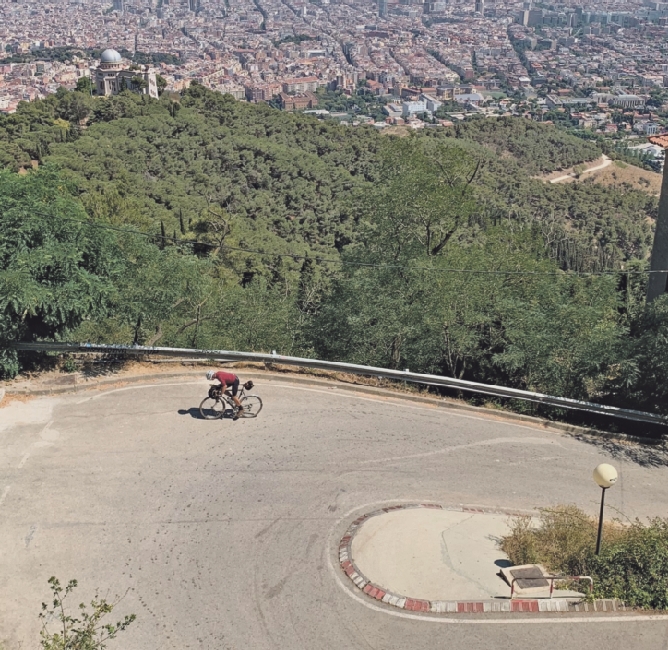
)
(110, 56)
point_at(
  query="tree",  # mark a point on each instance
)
(54, 270)
(547, 333)
(641, 379)
(447, 107)
(84, 85)
(423, 196)
(12, 156)
(75, 107)
(161, 83)
(181, 222)
(85, 631)
(540, 147)
(561, 334)
(138, 83)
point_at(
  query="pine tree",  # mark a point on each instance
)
(306, 296)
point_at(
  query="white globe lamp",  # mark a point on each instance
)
(605, 476)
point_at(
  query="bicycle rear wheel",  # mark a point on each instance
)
(252, 406)
(212, 409)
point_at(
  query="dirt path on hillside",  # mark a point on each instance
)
(599, 164)
(613, 173)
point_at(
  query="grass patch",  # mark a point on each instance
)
(632, 566)
(621, 164)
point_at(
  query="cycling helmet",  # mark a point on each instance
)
(210, 375)
(248, 385)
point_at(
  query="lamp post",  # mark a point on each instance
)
(605, 476)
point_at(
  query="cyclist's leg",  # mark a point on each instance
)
(239, 410)
(235, 390)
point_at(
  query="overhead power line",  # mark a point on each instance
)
(318, 258)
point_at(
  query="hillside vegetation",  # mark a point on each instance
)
(622, 176)
(263, 230)
(540, 149)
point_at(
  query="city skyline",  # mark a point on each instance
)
(254, 49)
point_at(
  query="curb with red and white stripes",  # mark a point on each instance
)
(454, 606)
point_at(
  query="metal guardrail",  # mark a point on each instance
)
(552, 580)
(415, 377)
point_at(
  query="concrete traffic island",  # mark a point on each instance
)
(427, 558)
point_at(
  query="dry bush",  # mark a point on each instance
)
(562, 541)
(632, 566)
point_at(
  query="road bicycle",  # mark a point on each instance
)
(217, 404)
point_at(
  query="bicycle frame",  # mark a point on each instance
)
(226, 397)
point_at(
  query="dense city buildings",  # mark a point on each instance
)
(590, 60)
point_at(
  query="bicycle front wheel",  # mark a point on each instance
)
(252, 406)
(211, 409)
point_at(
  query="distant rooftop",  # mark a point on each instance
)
(660, 140)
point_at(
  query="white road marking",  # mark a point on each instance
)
(493, 417)
(479, 443)
(47, 435)
(44, 433)
(508, 619)
(25, 458)
(118, 390)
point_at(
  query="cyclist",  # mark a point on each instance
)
(228, 379)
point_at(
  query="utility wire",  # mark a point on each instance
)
(318, 258)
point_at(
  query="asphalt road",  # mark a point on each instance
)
(222, 534)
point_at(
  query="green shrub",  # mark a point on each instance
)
(85, 629)
(632, 566)
(69, 365)
(9, 362)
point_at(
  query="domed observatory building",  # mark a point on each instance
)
(112, 77)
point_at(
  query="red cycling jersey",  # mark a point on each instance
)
(226, 378)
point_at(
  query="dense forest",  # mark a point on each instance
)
(540, 149)
(200, 221)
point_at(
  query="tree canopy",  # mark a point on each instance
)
(201, 221)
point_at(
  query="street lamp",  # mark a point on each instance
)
(605, 476)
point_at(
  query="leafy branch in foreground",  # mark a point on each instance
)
(83, 632)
